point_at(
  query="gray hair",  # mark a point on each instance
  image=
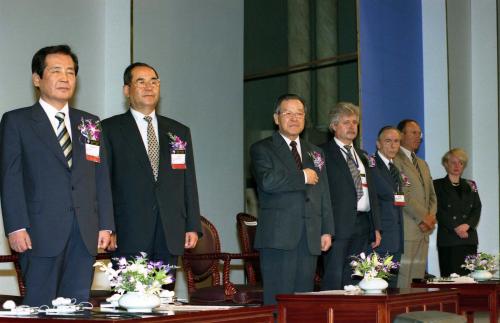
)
(343, 109)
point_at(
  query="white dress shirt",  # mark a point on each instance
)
(364, 201)
(143, 125)
(299, 150)
(51, 112)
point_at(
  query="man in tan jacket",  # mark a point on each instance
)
(419, 212)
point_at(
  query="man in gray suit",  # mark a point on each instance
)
(295, 216)
(419, 213)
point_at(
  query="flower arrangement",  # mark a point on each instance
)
(481, 261)
(91, 130)
(176, 142)
(137, 275)
(373, 265)
(318, 160)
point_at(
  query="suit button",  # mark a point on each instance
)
(454, 218)
(449, 205)
(464, 216)
(307, 199)
(72, 188)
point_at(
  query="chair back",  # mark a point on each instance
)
(14, 258)
(209, 243)
(247, 226)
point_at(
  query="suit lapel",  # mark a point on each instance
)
(164, 139)
(77, 141)
(283, 152)
(130, 131)
(339, 160)
(43, 128)
(383, 170)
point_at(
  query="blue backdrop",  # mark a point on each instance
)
(390, 52)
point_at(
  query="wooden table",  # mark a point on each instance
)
(483, 296)
(262, 314)
(364, 308)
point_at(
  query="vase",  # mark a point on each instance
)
(373, 285)
(481, 275)
(139, 302)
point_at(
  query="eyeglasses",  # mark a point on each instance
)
(142, 83)
(289, 115)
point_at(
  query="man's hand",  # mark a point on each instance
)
(429, 220)
(312, 177)
(191, 240)
(326, 242)
(424, 227)
(378, 238)
(462, 231)
(104, 239)
(20, 241)
(112, 243)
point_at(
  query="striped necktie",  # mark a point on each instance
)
(415, 163)
(356, 175)
(64, 139)
(395, 176)
(296, 155)
(153, 147)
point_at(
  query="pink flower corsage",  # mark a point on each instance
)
(176, 142)
(405, 180)
(472, 185)
(371, 161)
(318, 160)
(90, 130)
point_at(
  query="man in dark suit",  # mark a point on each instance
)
(152, 171)
(56, 197)
(295, 216)
(389, 193)
(353, 197)
(419, 212)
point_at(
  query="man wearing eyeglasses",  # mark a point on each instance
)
(419, 213)
(153, 177)
(295, 216)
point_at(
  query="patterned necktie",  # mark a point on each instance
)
(296, 155)
(153, 147)
(356, 175)
(395, 176)
(415, 163)
(64, 138)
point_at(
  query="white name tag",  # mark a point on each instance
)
(178, 158)
(399, 200)
(92, 153)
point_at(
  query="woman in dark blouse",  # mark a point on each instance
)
(459, 209)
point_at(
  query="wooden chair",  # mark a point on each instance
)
(204, 261)
(247, 225)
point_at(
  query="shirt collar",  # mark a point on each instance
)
(139, 116)
(288, 141)
(51, 110)
(406, 152)
(384, 159)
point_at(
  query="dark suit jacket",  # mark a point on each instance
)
(135, 192)
(40, 192)
(455, 209)
(286, 202)
(391, 216)
(343, 192)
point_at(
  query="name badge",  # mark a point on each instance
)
(399, 200)
(92, 153)
(178, 158)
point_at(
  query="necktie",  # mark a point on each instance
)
(64, 139)
(153, 147)
(415, 163)
(296, 155)
(356, 176)
(395, 176)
